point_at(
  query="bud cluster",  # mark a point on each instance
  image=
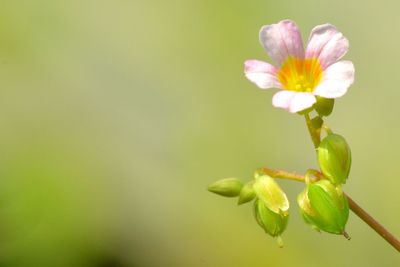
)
(271, 206)
(322, 203)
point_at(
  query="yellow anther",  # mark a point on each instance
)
(301, 75)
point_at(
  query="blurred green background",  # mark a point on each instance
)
(115, 115)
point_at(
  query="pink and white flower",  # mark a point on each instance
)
(302, 73)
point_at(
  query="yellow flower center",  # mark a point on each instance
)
(301, 75)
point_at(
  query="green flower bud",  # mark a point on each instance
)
(268, 191)
(247, 193)
(273, 223)
(334, 158)
(324, 106)
(229, 187)
(271, 207)
(324, 206)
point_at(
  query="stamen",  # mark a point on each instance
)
(301, 75)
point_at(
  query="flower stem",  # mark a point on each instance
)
(368, 219)
(281, 174)
(315, 135)
(360, 212)
(327, 129)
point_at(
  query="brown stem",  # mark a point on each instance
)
(287, 175)
(382, 231)
(281, 174)
(360, 212)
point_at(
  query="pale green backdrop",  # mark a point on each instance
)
(115, 115)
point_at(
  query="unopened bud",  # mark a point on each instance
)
(229, 187)
(324, 106)
(324, 206)
(271, 194)
(271, 208)
(247, 193)
(334, 158)
(273, 223)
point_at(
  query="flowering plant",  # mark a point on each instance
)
(302, 74)
(309, 81)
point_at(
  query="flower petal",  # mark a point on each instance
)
(301, 101)
(327, 44)
(336, 80)
(293, 101)
(282, 40)
(261, 73)
(282, 99)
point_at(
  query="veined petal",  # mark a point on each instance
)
(327, 44)
(261, 73)
(293, 101)
(336, 80)
(282, 40)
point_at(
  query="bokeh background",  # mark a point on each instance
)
(115, 115)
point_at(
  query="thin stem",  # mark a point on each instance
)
(281, 174)
(315, 135)
(382, 231)
(327, 129)
(360, 212)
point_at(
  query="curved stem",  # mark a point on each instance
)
(327, 129)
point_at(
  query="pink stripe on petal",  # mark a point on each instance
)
(337, 78)
(253, 65)
(282, 40)
(327, 44)
(261, 73)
